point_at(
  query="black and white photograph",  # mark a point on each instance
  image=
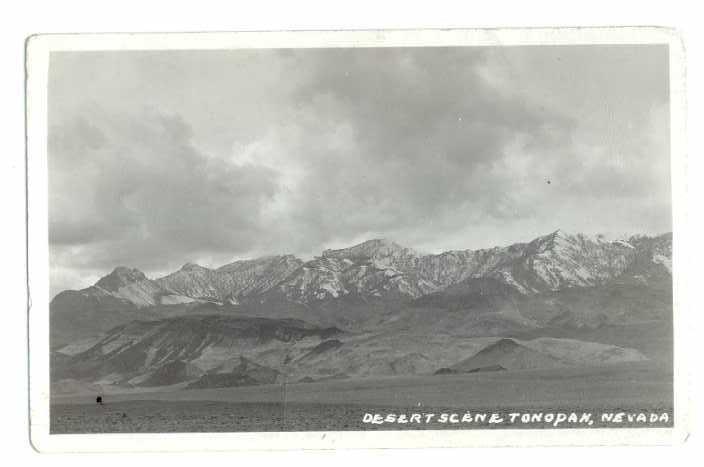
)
(337, 237)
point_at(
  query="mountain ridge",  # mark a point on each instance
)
(373, 309)
(380, 266)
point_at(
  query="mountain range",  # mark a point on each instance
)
(376, 308)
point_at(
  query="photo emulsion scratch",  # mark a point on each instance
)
(360, 238)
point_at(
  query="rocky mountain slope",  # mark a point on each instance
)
(374, 309)
(209, 352)
(173, 350)
(229, 283)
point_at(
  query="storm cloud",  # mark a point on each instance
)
(159, 158)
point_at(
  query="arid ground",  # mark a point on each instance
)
(341, 404)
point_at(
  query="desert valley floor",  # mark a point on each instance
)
(341, 405)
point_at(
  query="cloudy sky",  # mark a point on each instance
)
(161, 158)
